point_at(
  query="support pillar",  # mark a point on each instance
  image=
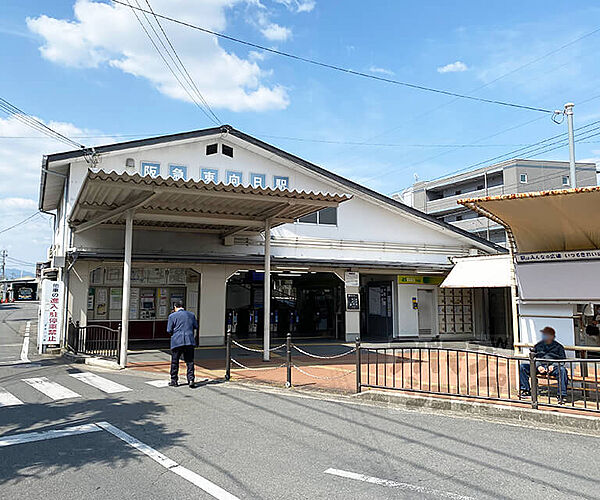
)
(126, 288)
(267, 293)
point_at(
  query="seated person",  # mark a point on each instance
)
(547, 349)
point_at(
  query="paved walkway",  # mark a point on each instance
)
(480, 375)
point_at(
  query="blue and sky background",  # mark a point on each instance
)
(84, 79)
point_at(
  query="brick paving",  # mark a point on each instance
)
(481, 375)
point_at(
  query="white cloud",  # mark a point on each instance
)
(102, 34)
(276, 33)
(21, 150)
(298, 5)
(381, 71)
(455, 67)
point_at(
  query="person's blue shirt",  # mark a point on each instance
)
(181, 326)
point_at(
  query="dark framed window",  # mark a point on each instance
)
(212, 149)
(309, 219)
(326, 216)
(227, 150)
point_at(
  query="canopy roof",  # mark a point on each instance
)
(105, 198)
(488, 271)
(546, 221)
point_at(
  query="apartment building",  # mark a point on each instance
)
(439, 197)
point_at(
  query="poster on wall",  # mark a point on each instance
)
(177, 276)
(155, 276)
(374, 300)
(52, 311)
(134, 303)
(116, 295)
(114, 276)
(163, 300)
(352, 278)
(138, 276)
(101, 303)
(90, 302)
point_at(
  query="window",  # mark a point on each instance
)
(565, 180)
(227, 150)
(328, 216)
(457, 192)
(324, 217)
(480, 187)
(459, 217)
(523, 178)
(212, 149)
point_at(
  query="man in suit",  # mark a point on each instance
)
(181, 326)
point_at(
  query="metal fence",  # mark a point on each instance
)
(290, 363)
(481, 375)
(94, 340)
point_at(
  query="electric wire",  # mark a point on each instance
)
(189, 78)
(340, 68)
(32, 122)
(24, 221)
(184, 87)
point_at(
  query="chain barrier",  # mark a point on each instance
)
(256, 369)
(323, 357)
(322, 378)
(251, 349)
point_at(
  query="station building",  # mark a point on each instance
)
(193, 215)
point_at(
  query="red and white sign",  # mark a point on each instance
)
(52, 311)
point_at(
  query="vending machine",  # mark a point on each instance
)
(147, 304)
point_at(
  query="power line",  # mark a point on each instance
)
(32, 122)
(183, 86)
(190, 79)
(340, 68)
(19, 223)
(535, 149)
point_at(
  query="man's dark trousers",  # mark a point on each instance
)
(187, 352)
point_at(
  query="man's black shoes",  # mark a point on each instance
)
(192, 385)
(173, 384)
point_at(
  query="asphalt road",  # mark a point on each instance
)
(235, 441)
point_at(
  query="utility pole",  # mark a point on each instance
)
(3, 255)
(573, 173)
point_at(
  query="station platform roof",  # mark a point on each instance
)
(106, 197)
(546, 221)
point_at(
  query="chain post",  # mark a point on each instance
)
(358, 381)
(228, 356)
(288, 359)
(533, 380)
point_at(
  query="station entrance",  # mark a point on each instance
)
(305, 304)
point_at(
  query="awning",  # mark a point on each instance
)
(105, 198)
(488, 271)
(546, 221)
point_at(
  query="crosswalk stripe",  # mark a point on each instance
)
(158, 383)
(51, 389)
(7, 399)
(98, 382)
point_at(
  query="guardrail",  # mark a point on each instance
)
(94, 340)
(481, 375)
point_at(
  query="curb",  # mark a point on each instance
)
(484, 410)
(91, 361)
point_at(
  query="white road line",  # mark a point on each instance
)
(25, 348)
(158, 383)
(30, 437)
(98, 382)
(7, 399)
(51, 389)
(395, 484)
(202, 483)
